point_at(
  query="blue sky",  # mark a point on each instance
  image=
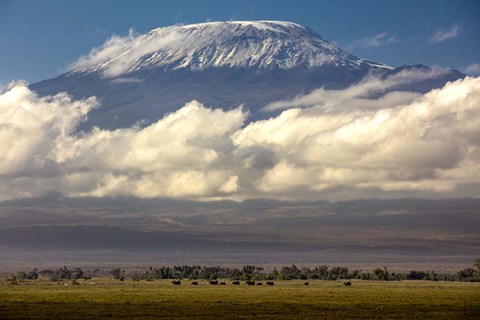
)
(38, 39)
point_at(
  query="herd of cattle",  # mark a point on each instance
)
(235, 283)
(250, 283)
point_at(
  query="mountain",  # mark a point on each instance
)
(264, 45)
(221, 64)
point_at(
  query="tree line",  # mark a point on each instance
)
(252, 272)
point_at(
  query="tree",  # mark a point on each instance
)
(379, 274)
(118, 274)
(417, 275)
(477, 265)
(468, 274)
(21, 275)
(64, 273)
(32, 275)
(338, 273)
(248, 269)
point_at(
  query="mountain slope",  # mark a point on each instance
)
(238, 44)
(222, 64)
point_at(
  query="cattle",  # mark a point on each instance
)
(270, 283)
(250, 283)
(213, 282)
(306, 284)
(259, 283)
(222, 283)
(176, 282)
(236, 283)
(347, 284)
(195, 283)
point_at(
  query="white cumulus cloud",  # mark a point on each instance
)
(398, 144)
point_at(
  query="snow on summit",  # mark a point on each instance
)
(232, 44)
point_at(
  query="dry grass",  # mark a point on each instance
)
(104, 298)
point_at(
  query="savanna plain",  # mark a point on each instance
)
(101, 298)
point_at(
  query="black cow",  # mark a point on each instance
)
(270, 283)
(222, 283)
(250, 283)
(348, 284)
(195, 283)
(236, 283)
(176, 282)
(306, 284)
(259, 283)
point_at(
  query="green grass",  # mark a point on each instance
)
(103, 298)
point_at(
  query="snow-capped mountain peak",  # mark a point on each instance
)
(140, 78)
(232, 44)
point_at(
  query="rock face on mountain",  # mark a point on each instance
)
(221, 64)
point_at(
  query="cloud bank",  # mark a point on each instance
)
(369, 93)
(340, 145)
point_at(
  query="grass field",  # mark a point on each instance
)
(104, 298)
